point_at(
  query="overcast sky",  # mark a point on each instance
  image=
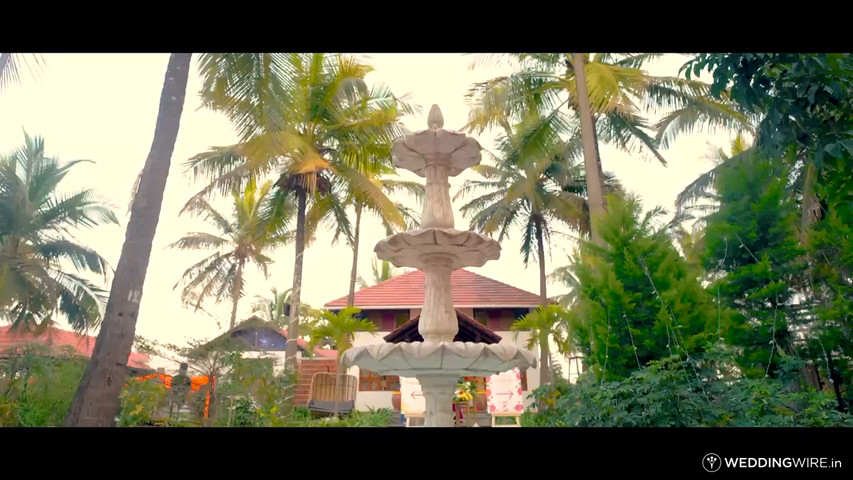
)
(103, 107)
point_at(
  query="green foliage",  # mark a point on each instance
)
(307, 117)
(339, 329)
(40, 264)
(141, 402)
(381, 417)
(830, 341)
(251, 394)
(638, 300)
(680, 392)
(37, 386)
(244, 413)
(621, 94)
(544, 324)
(751, 245)
(806, 101)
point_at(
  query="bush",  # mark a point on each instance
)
(37, 386)
(251, 395)
(684, 392)
(141, 401)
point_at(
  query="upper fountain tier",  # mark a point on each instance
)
(436, 146)
(437, 154)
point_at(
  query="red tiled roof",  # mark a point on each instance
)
(82, 344)
(468, 290)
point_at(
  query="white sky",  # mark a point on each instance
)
(103, 107)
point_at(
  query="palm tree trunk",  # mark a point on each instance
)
(96, 402)
(544, 347)
(595, 196)
(598, 155)
(293, 327)
(235, 296)
(354, 272)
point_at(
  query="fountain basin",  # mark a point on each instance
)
(448, 359)
(414, 248)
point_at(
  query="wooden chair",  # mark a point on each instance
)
(321, 398)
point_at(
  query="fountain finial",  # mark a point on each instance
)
(435, 120)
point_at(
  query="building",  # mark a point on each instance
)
(485, 308)
(58, 340)
(260, 339)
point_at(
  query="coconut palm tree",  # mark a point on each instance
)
(40, 260)
(10, 66)
(605, 102)
(333, 211)
(307, 118)
(253, 231)
(96, 402)
(382, 271)
(531, 188)
(339, 329)
(543, 324)
(275, 309)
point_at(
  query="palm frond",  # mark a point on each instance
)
(10, 67)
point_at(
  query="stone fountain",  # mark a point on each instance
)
(438, 249)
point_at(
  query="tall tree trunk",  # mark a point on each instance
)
(96, 402)
(354, 272)
(595, 196)
(836, 383)
(810, 214)
(293, 327)
(235, 295)
(811, 203)
(544, 347)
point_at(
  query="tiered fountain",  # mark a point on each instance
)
(438, 249)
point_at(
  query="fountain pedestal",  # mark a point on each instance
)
(437, 389)
(438, 249)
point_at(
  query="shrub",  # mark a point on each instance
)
(685, 392)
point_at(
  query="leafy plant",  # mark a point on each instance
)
(805, 101)
(141, 401)
(37, 385)
(638, 300)
(680, 392)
